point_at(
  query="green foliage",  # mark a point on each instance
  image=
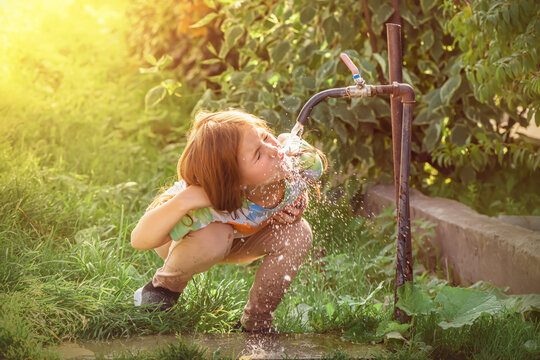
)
(269, 57)
(456, 307)
(499, 41)
(413, 301)
(172, 28)
(479, 322)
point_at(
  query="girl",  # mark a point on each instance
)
(240, 196)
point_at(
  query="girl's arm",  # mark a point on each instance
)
(153, 228)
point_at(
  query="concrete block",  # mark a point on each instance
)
(476, 246)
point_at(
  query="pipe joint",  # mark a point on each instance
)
(404, 91)
(355, 91)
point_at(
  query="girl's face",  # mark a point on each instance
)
(260, 157)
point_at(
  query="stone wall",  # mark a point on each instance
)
(477, 247)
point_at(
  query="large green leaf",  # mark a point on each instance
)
(237, 77)
(233, 34)
(408, 16)
(364, 114)
(325, 70)
(431, 138)
(307, 14)
(422, 118)
(462, 306)
(382, 13)
(528, 302)
(154, 96)
(267, 98)
(380, 105)
(425, 117)
(280, 51)
(331, 28)
(434, 101)
(518, 303)
(381, 60)
(459, 136)
(428, 39)
(363, 151)
(386, 327)
(205, 20)
(413, 300)
(308, 82)
(290, 103)
(344, 113)
(449, 88)
(322, 114)
(341, 130)
(270, 116)
(427, 5)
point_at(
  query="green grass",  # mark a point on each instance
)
(79, 162)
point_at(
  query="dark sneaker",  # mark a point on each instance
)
(270, 330)
(151, 295)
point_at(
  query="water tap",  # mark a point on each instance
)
(360, 83)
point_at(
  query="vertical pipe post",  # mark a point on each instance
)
(396, 16)
(393, 35)
(404, 264)
(401, 134)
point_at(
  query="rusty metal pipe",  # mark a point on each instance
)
(404, 93)
(317, 98)
(384, 89)
(393, 36)
(399, 91)
(404, 264)
(396, 16)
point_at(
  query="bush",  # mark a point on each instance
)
(269, 57)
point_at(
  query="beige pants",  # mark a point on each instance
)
(284, 248)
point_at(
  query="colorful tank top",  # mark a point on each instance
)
(249, 219)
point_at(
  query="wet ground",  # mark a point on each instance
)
(237, 345)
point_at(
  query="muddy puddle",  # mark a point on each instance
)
(237, 345)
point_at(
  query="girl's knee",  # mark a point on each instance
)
(213, 241)
(163, 250)
(306, 228)
(195, 253)
(296, 237)
(305, 235)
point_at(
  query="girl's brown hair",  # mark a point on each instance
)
(210, 159)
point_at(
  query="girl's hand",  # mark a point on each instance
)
(291, 213)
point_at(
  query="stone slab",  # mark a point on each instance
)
(477, 247)
(529, 222)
